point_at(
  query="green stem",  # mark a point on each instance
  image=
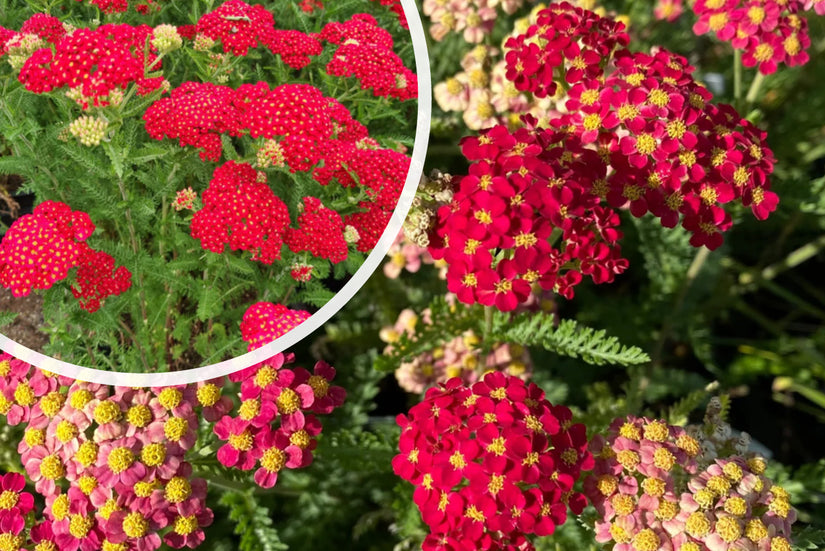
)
(753, 91)
(693, 270)
(737, 75)
(488, 323)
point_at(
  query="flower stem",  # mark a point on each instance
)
(753, 91)
(488, 322)
(737, 75)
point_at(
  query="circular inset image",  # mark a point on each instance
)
(195, 187)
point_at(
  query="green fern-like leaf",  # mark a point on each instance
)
(7, 317)
(254, 525)
(447, 322)
(678, 413)
(570, 338)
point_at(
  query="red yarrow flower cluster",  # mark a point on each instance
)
(276, 424)
(320, 232)
(97, 278)
(492, 463)
(294, 47)
(396, 7)
(93, 63)
(41, 248)
(641, 136)
(365, 52)
(263, 322)
(574, 43)
(768, 32)
(238, 26)
(651, 493)
(242, 212)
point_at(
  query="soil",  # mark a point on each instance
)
(25, 329)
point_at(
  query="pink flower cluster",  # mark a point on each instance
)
(642, 136)
(459, 357)
(652, 495)
(769, 32)
(92, 63)
(474, 19)
(41, 248)
(365, 51)
(276, 423)
(15, 505)
(263, 322)
(405, 255)
(492, 463)
(242, 212)
(111, 461)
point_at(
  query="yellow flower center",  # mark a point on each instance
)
(733, 472)
(79, 398)
(658, 97)
(697, 525)
(66, 430)
(663, 459)
(273, 460)
(80, 525)
(757, 465)
(8, 499)
(87, 453)
(106, 412)
(5, 368)
(779, 543)
(763, 52)
(242, 442)
(630, 431)
(717, 21)
(120, 459)
(728, 529)
(736, 506)
(288, 401)
(265, 376)
(11, 542)
(170, 398)
(689, 445)
(667, 510)
(619, 534)
(645, 144)
(705, 498)
(108, 508)
(87, 484)
(645, 540)
(628, 459)
(109, 546)
(175, 428)
(60, 507)
(719, 485)
(51, 403)
(473, 513)
(24, 395)
(52, 468)
(623, 504)
(607, 484)
(209, 394)
(46, 546)
(145, 489)
(135, 525)
(139, 415)
(34, 437)
(497, 446)
(755, 530)
(153, 455)
(654, 487)
(319, 385)
(177, 490)
(300, 438)
(186, 525)
(249, 409)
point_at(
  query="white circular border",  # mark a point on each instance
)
(422, 135)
